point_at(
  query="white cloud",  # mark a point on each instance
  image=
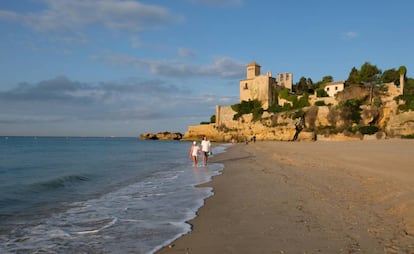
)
(71, 15)
(63, 107)
(221, 67)
(9, 15)
(350, 35)
(130, 99)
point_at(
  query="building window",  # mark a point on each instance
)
(327, 89)
(287, 76)
(245, 86)
(336, 88)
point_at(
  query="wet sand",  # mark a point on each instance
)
(308, 197)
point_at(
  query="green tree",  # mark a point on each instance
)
(311, 86)
(213, 119)
(327, 79)
(402, 70)
(409, 86)
(302, 86)
(369, 73)
(320, 84)
(320, 92)
(353, 77)
(390, 75)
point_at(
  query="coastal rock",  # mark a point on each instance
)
(327, 122)
(400, 124)
(244, 131)
(161, 136)
(281, 127)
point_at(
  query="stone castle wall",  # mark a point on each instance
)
(224, 114)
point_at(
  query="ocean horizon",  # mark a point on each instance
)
(97, 194)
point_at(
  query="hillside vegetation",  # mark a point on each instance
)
(363, 107)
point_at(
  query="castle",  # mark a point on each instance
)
(262, 87)
(282, 126)
(256, 87)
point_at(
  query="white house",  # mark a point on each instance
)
(333, 88)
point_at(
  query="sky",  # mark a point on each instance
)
(125, 67)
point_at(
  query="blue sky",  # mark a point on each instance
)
(121, 68)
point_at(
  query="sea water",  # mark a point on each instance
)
(97, 195)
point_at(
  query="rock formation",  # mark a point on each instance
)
(161, 136)
(320, 122)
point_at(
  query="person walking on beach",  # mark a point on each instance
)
(194, 151)
(206, 149)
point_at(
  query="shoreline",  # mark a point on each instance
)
(307, 197)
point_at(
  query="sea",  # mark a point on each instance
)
(97, 195)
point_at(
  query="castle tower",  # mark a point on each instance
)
(257, 86)
(253, 70)
(285, 80)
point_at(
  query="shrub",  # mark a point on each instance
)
(301, 102)
(247, 107)
(351, 110)
(377, 102)
(320, 92)
(275, 108)
(284, 94)
(409, 102)
(410, 136)
(320, 103)
(213, 119)
(257, 113)
(368, 130)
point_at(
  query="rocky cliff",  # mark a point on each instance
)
(161, 136)
(317, 122)
(284, 129)
(272, 127)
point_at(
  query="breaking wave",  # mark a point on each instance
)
(60, 182)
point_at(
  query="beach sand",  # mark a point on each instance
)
(308, 197)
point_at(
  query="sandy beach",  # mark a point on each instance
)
(308, 197)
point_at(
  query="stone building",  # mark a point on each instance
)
(285, 80)
(257, 86)
(333, 88)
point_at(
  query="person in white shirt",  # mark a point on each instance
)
(206, 149)
(194, 151)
